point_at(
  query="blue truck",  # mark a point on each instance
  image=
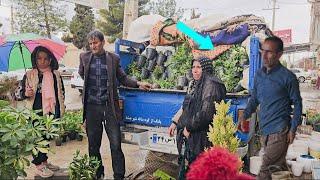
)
(146, 115)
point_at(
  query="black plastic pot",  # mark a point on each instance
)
(64, 138)
(168, 53)
(72, 135)
(165, 75)
(79, 137)
(141, 60)
(145, 73)
(182, 81)
(58, 141)
(151, 64)
(189, 75)
(161, 59)
(151, 53)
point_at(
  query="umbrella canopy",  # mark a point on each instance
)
(15, 50)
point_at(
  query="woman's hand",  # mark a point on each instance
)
(186, 133)
(171, 129)
(29, 92)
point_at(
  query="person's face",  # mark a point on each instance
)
(270, 54)
(96, 46)
(43, 60)
(196, 70)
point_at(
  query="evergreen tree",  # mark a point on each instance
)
(166, 8)
(39, 16)
(111, 21)
(82, 23)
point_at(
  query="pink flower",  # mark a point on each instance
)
(216, 163)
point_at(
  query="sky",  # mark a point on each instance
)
(292, 14)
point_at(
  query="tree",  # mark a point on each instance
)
(39, 16)
(111, 22)
(82, 23)
(166, 8)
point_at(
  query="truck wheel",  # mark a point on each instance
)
(80, 90)
(301, 79)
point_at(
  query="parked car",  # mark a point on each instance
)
(66, 71)
(302, 75)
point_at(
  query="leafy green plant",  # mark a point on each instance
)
(227, 66)
(133, 70)
(83, 167)
(22, 133)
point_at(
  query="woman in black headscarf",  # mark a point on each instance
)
(198, 110)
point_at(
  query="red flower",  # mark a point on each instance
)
(216, 163)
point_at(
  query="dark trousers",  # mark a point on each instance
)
(275, 150)
(98, 116)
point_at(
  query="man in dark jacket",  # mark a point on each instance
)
(101, 70)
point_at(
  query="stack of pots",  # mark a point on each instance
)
(148, 63)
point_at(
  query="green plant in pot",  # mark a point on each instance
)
(21, 135)
(83, 167)
(221, 132)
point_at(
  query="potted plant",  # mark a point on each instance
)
(222, 130)
(83, 167)
(145, 73)
(151, 53)
(151, 64)
(161, 59)
(22, 136)
(141, 60)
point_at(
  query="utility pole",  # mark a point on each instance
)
(131, 9)
(273, 13)
(12, 19)
(274, 2)
(46, 20)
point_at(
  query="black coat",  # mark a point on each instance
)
(198, 112)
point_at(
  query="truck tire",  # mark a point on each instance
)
(80, 91)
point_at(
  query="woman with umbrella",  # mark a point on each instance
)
(42, 88)
(197, 112)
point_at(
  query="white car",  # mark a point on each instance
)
(18, 74)
(302, 75)
(76, 81)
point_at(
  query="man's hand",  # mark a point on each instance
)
(186, 133)
(29, 92)
(171, 129)
(290, 137)
(242, 123)
(144, 85)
